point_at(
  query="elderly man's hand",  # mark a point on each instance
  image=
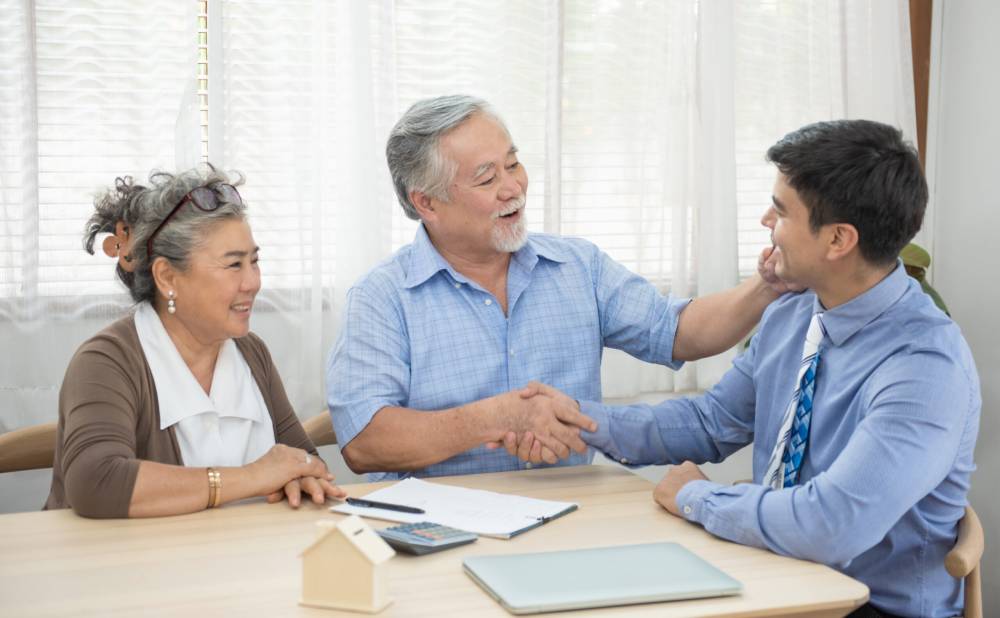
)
(766, 263)
(544, 425)
(676, 478)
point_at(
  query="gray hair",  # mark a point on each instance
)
(413, 153)
(143, 208)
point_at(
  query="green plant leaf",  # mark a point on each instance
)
(916, 256)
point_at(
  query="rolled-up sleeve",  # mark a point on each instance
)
(635, 316)
(369, 367)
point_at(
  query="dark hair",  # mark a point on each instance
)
(142, 208)
(858, 172)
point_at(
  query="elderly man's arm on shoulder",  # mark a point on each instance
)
(712, 324)
(399, 439)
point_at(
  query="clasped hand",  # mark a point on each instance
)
(544, 425)
(673, 482)
(289, 472)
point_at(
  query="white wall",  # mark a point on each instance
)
(964, 169)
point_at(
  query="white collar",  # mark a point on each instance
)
(177, 391)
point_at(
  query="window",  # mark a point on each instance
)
(88, 91)
(602, 99)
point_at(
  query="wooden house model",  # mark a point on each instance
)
(346, 567)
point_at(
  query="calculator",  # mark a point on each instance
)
(425, 537)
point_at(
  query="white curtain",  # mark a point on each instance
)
(642, 126)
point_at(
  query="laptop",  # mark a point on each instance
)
(597, 577)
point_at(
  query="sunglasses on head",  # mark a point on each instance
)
(205, 199)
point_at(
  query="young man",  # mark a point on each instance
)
(860, 397)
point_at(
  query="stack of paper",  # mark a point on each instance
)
(483, 512)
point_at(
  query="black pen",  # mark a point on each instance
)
(372, 504)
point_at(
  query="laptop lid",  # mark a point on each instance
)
(597, 577)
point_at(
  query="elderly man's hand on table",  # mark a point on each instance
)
(545, 405)
(675, 479)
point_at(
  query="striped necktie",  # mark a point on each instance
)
(786, 458)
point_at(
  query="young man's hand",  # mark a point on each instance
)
(676, 478)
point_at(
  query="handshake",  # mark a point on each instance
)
(542, 424)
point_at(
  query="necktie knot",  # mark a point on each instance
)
(815, 333)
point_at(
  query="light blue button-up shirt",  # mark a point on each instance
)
(419, 334)
(886, 470)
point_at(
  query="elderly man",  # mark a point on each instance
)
(860, 397)
(438, 339)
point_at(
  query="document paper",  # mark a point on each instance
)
(483, 512)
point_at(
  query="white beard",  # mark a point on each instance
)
(510, 238)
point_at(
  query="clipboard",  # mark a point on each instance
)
(486, 513)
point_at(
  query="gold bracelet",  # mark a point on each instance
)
(214, 488)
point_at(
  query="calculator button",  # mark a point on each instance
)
(425, 537)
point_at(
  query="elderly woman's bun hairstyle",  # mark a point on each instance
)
(133, 211)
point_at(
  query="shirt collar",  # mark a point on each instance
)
(840, 323)
(425, 261)
(178, 393)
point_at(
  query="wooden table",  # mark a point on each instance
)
(243, 560)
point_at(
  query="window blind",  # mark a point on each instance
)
(90, 91)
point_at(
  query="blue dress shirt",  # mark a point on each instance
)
(419, 334)
(886, 471)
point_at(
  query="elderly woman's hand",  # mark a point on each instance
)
(319, 489)
(287, 471)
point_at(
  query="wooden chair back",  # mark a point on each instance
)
(319, 428)
(963, 561)
(28, 448)
(34, 447)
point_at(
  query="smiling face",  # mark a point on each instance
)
(215, 295)
(801, 251)
(485, 208)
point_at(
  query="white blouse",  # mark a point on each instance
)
(229, 426)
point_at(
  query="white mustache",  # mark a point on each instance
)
(514, 205)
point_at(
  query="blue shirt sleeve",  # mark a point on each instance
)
(369, 366)
(851, 506)
(635, 316)
(700, 429)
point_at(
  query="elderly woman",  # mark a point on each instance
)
(178, 407)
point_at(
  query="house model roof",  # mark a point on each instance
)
(358, 534)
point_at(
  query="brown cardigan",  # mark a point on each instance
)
(109, 420)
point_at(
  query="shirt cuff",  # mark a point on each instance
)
(600, 439)
(691, 500)
(681, 305)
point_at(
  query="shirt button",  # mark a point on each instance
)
(512, 352)
(623, 460)
(527, 466)
(458, 285)
(488, 302)
(687, 510)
